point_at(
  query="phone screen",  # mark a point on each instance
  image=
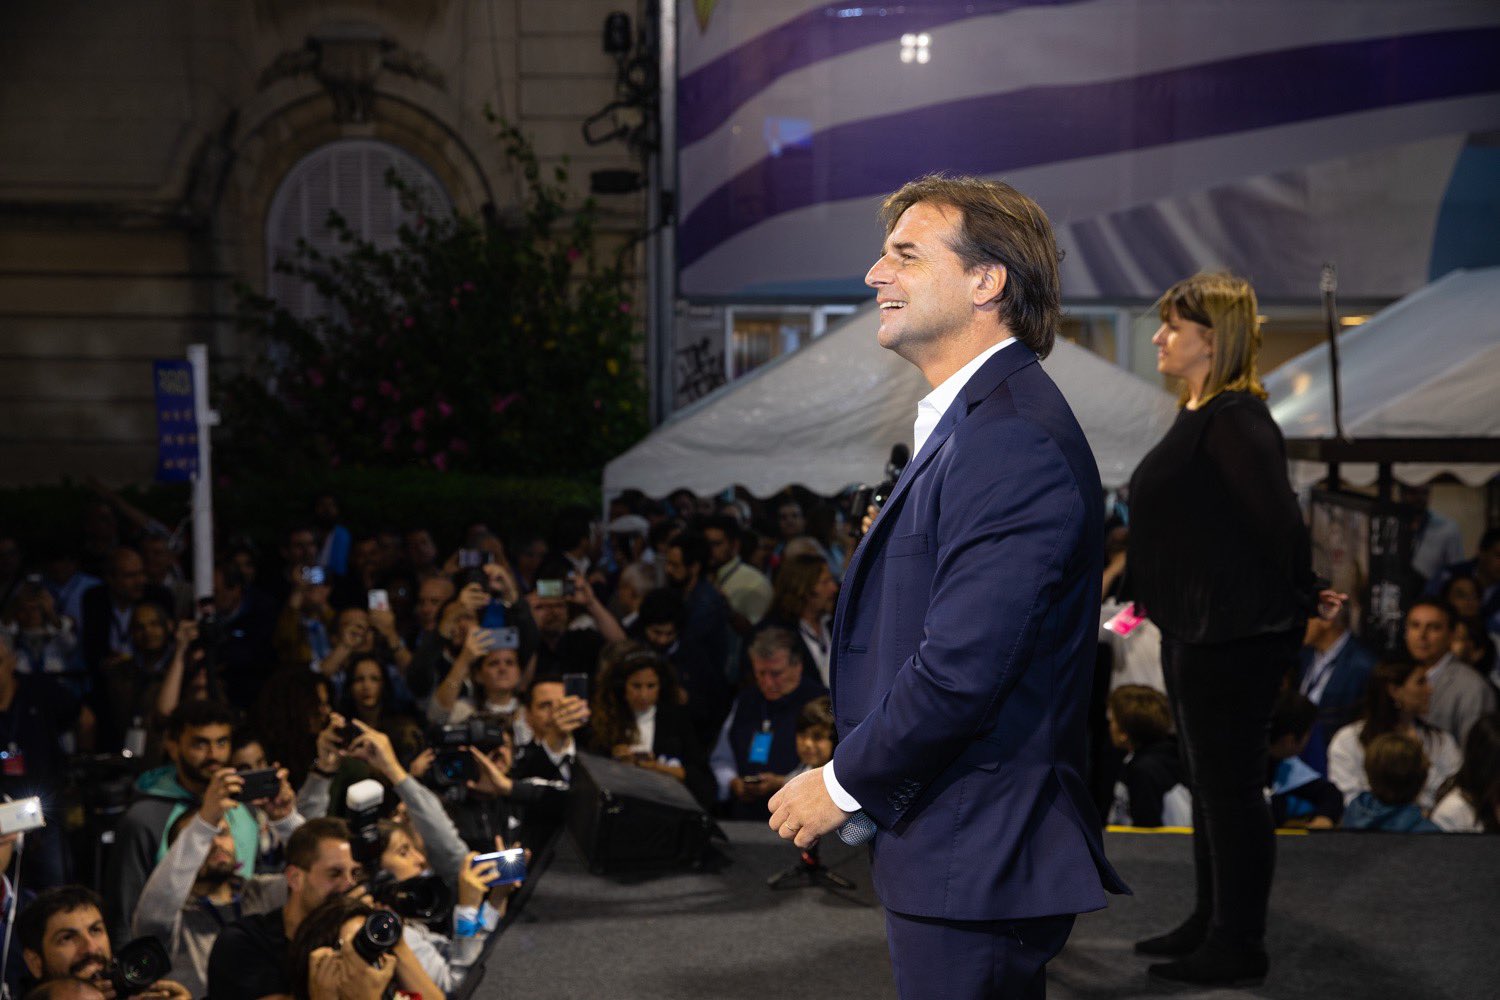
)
(576, 685)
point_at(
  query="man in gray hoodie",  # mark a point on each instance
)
(198, 734)
(201, 885)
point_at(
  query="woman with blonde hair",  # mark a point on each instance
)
(1221, 562)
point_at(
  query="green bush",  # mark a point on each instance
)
(472, 345)
(261, 507)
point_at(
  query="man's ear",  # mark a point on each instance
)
(33, 962)
(294, 877)
(990, 284)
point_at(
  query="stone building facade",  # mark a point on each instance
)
(143, 144)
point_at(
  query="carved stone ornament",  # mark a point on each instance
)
(346, 60)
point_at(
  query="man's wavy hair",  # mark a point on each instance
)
(998, 225)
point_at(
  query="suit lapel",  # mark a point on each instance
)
(994, 371)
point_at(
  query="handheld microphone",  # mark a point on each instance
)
(857, 829)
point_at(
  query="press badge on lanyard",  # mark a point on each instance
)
(760, 744)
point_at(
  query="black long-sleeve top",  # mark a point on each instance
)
(1218, 550)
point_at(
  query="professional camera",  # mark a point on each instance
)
(875, 496)
(137, 965)
(380, 934)
(422, 897)
(484, 733)
(452, 768)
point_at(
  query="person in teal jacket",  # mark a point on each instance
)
(200, 731)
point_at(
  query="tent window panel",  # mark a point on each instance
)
(1095, 333)
(758, 337)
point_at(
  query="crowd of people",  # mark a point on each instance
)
(335, 765)
(1360, 738)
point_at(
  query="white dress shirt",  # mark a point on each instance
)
(929, 411)
(645, 730)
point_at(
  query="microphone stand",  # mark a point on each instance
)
(808, 871)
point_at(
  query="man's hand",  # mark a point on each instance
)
(374, 748)
(1330, 602)
(384, 622)
(329, 747)
(492, 778)
(477, 644)
(163, 989)
(474, 597)
(221, 795)
(572, 713)
(803, 810)
(285, 800)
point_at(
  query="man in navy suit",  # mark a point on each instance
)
(964, 637)
(1336, 671)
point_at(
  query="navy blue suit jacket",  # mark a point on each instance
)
(964, 645)
(1342, 699)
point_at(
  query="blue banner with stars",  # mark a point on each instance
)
(176, 422)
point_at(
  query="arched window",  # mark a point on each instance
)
(347, 176)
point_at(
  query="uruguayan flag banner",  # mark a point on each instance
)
(1162, 136)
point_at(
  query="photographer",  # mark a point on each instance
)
(334, 956)
(302, 630)
(447, 960)
(444, 848)
(483, 680)
(62, 936)
(542, 774)
(198, 735)
(249, 958)
(201, 885)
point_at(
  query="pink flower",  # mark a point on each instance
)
(388, 443)
(444, 409)
(469, 286)
(624, 307)
(385, 388)
(418, 418)
(440, 461)
(315, 378)
(598, 404)
(357, 404)
(399, 365)
(453, 302)
(419, 445)
(574, 253)
(408, 322)
(502, 403)
(458, 446)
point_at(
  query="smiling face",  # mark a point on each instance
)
(74, 943)
(1184, 349)
(924, 291)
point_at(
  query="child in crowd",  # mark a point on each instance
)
(1300, 796)
(816, 735)
(1150, 791)
(1396, 767)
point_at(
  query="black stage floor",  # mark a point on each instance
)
(1353, 915)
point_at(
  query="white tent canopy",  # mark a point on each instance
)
(826, 416)
(1426, 366)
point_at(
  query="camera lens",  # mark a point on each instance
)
(381, 933)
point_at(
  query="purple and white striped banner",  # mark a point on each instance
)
(1162, 136)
